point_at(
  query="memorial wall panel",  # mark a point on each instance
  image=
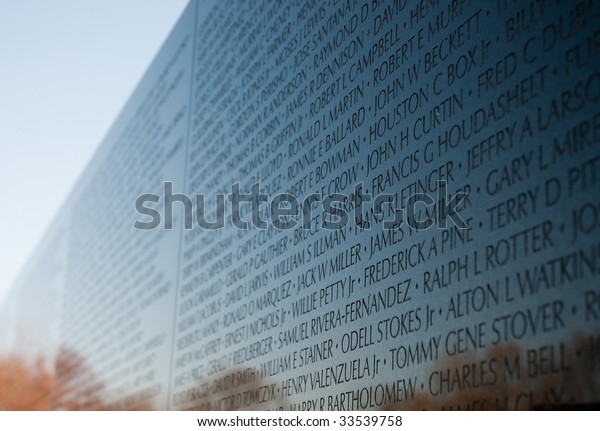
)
(338, 205)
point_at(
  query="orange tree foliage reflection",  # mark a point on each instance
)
(567, 381)
(72, 386)
(23, 386)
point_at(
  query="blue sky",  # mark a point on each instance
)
(67, 69)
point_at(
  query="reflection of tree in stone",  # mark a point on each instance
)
(77, 388)
(562, 375)
(22, 386)
(506, 376)
(234, 389)
(509, 377)
(71, 387)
